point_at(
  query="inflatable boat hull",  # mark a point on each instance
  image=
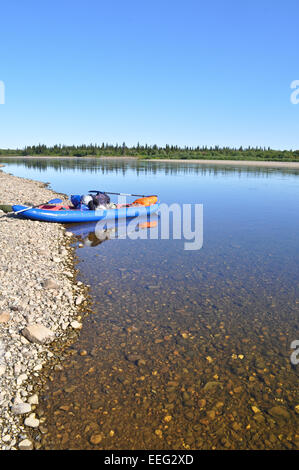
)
(77, 216)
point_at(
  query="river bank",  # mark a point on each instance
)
(40, 304)
(258, 163)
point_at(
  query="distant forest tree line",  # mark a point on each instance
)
(155, 151)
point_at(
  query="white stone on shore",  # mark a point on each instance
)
(33, 400)
(79, 300)
(2, 369)
(26, 444)
(32, 421)
(21, 379)
(37, 333)
(7, 355)
(76, 325)
(50, 284)
(21, 408)
(43, 252)
(4, 317)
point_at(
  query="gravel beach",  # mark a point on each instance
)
(40, 303)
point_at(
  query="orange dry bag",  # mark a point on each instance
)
(145, 201)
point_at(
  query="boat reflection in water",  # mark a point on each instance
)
(94, 233)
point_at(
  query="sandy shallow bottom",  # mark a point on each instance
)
(176, 357)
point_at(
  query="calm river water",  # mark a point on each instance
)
(184, 349)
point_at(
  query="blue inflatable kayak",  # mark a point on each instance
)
(66, 216)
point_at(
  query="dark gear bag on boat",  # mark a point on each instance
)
(76, 200)
(101, 199)
(92, 205)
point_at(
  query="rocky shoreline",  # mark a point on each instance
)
(40, 303)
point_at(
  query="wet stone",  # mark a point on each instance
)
(96, 439)
(279, 412)
(212, 386)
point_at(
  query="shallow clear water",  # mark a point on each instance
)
(183, 346)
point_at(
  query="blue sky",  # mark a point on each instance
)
(178, 72)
